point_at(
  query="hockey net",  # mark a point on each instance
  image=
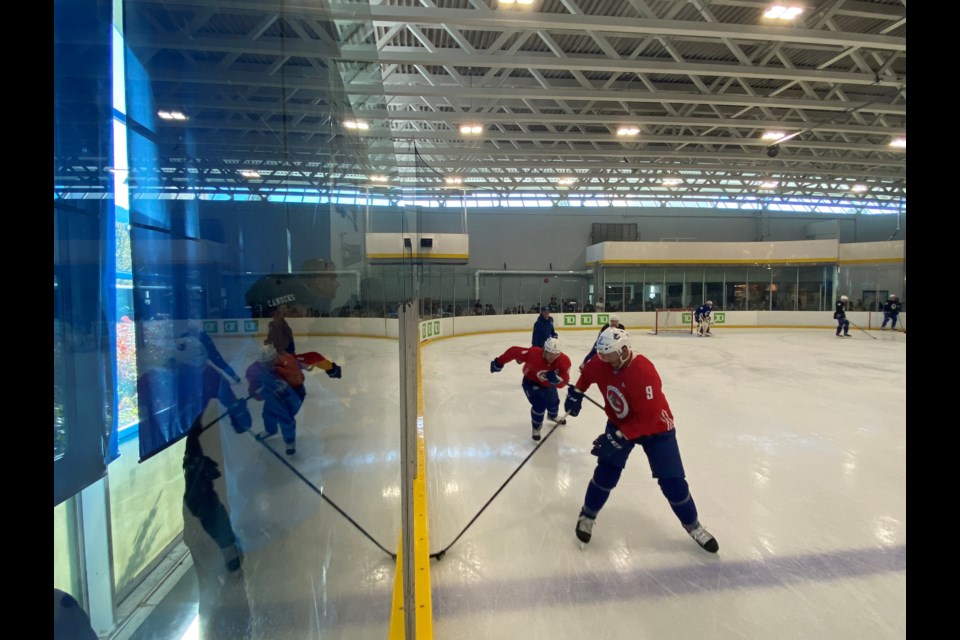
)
(673, 321)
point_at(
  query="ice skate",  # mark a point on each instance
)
(703, 538)
(585, 528)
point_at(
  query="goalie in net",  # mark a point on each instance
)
(703, 318)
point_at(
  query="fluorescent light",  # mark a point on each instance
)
(379, 179)
(769, 184)
(356, 124)
(249, 173)
(471, 129)
(566, 181)
(781, 12)
(670, 182)
(454, 180)
(899, 143)
(858, 188)
(628, 131)
(772, 135)
(171, 115)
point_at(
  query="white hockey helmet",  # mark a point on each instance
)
(844, 298)
(709, 303)
(268, 353)
(612, 340)
(892, 296)
(552, 345)
(614, 318)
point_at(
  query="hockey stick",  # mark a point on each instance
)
(320, 493)
(858, 327)
(593, 401)
(225, 413)
(439, 554)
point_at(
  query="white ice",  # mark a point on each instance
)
(794, 445)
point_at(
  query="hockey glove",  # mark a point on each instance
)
(574, 402)
(608, 444)
(495, 366)
(553, 378)
(335, 371)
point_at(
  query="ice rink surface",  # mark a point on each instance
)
(794, 444)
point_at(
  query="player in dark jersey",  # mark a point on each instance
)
(703, 318)
(840, 315)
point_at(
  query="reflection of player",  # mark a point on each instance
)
(279, 332)
(276, 380)
(224, 610)
(544, 371)
(177, 383)
(195, 348)
(307, 293)
(180, 377)
(69, 618)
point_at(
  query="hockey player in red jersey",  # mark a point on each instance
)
(637, 414)
(544, 371)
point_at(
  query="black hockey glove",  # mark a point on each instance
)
(553, 378)
(608, 444)
(495, 366)
(574, 402)
(335, 371)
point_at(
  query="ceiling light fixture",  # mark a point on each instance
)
(471, 129)
(772, 135)
(356, 124)
(782, 12)
(249, 173)
(628, 131)
(899, 143)
(171, 115)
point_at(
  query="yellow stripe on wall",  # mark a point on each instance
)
(421, 543)
(438, 256)
(872, 261)
(752, 261)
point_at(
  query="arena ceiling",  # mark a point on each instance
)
(285, 88)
